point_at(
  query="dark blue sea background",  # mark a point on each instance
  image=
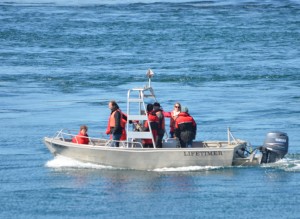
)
(233, 63)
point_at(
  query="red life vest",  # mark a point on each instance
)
(123, 136)
(184, 118)
(154, 121)
(112, 121)
(185, 127)
(81, 139)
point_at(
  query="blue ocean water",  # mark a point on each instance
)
(232, 63)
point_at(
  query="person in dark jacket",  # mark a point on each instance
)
(116, 124)
(185, 129)
(161, 125)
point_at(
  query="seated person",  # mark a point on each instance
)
(82, 137)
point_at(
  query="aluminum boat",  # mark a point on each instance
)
(132, 155)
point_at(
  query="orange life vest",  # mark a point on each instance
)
(112, 121)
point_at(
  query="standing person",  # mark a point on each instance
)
(185, 128)
(116, 124)
(124, 120)
(161, 124)
(153, 121)
(82, 137)
(173, 116)
(124, 135)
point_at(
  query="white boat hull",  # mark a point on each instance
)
(144, 158)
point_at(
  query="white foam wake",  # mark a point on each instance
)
(286, 164)
(60, 162)
(291, 165)
(186, 169)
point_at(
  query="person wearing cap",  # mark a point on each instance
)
(82, 137)
(161, 124)
(185, 128)
(173, 116)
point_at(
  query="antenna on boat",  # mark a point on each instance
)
(149, 74)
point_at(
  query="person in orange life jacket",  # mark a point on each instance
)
(173, 116)
(153, 120)
(123, 136)
(185, 129)
(82, 137)
(161, 125)
(116, 124)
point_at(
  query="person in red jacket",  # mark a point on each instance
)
(82, 137)
(173, 116)
(185, 129)
(154, 121)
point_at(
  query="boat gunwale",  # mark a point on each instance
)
(129, 149)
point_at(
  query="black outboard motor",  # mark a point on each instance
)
(275, 147)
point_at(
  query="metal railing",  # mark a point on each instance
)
(66, 136)
(230, 136)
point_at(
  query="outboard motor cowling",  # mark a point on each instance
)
(275, 147)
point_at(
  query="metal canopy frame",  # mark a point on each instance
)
(137, 112)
